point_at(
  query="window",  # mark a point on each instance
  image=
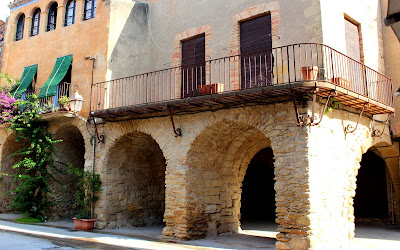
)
(20, 28)
(35, 23)
(193, 66)
(353, 39)
(256, 53)
(90, 9)
(70, 13)
(52, 17)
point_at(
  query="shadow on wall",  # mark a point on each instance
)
(7, 163)
(71, 150)
(131, 54)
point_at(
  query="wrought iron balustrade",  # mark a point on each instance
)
(63, 89)
(309, 64)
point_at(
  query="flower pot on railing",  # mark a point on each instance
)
(309, 73)
(214, 88)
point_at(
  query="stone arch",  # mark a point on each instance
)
(218, 160)
(390, 158)
(6, 182)
(71, 150)
(133, 182)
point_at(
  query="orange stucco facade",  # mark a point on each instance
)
(84, 38)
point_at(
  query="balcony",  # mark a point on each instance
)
(259, 77)
(50, 104)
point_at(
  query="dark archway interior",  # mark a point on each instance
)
(258, 194)
(371, 200)
(71, 150)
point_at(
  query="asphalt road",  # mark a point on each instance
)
(12, 241)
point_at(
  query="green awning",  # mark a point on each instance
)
(26, 79)
(59, 71)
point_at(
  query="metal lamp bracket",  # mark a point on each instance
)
(376, 132)
(349, 127)
(177, 131)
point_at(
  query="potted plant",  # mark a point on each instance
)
(88, 184)
(63, 103)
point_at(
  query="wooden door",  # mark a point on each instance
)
(256, 53)
(193, 66)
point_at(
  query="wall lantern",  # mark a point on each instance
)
(76, 102)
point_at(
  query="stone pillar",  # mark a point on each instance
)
(292, 190)
(177, 210)
(43, 22)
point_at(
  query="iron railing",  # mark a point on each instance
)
(305, 62)
(63, 89)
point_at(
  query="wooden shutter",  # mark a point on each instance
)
(255, 48)
(353, 48)
(193, 65)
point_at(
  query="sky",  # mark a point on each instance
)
(4, 10)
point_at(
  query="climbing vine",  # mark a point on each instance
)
(36, 160)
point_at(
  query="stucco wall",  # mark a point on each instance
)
(392, 62)
(365, 12)
(81, 39)
(149, 35)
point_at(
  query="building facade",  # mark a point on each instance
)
(204, 114)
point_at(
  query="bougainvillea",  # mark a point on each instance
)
(7, 101)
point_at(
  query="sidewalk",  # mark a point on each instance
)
(257, 236)
(139, 238)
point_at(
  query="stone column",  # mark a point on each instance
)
(43, 22)
(292, 189)
(177, 210)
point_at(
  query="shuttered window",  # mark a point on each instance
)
(353, 47)
(193, 66)
(255, 48)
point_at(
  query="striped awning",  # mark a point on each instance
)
(59, 71)
(26, 79)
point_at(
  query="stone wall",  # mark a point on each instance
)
(133, 183)
(202, 171)
(315, 170)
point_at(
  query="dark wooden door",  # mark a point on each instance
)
(193, 66)
(255, 48)
(353, 48)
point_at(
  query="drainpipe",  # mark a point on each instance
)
(94, 136)
(93, 165)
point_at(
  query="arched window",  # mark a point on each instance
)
(35, 23)
(20, 28)
(90, 9)
(52, 17)
(70, 13)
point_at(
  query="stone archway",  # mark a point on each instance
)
(258, 194)
(6, 182)
(134, 182)
(371, 199)
(218, 160)
(71, 150)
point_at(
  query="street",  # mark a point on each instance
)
(14, 241)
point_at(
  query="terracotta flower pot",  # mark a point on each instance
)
(309, 73)
(84, 224)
